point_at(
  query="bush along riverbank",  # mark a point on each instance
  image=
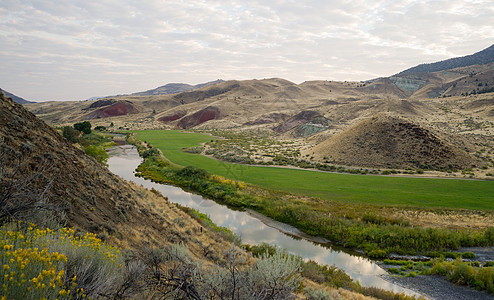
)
(352, 226)
(475, 274)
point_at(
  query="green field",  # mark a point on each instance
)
(380, 190)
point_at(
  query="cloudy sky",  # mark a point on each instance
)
(73, 50)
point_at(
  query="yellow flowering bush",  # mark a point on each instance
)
(45, 264)
(223, 180)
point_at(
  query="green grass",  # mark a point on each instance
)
(379, 190)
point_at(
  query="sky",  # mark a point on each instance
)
(77, 49)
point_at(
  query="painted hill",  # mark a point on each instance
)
(485, 56)
(392, 142)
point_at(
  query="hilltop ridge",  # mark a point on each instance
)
(482, 57)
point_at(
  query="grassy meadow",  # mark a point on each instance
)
(366, 189)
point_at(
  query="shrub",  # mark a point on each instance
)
(313, 294)
(150, 152)
(180, 277)
(98, 153)
(100, 128)
(70, 134)
(463, 273)
(192, 172)
(378, 253)
(42, 263)
(468, 255)
(326, 274)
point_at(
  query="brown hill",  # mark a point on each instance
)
(92, 198)
(391, 142)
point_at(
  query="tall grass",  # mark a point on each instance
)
(464, 273)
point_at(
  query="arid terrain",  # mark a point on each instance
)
(427, 124)
(438, 120)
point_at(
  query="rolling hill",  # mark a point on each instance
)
(483, 57)
(386, 141)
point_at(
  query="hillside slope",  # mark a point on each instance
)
(391, 142)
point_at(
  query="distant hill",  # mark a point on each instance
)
(167, 89)
(485, 56)
(174, 88)
(16, 99)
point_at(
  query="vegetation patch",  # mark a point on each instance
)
(43, 263)
(457, 271)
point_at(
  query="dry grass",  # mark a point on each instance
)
(441, 219)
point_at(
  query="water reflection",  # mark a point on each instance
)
(248, 225)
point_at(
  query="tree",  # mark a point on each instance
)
(84, 127)
(70, 134)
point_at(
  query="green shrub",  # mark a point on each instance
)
(191, 172)
(463, 273)
(468, 255)
(100, 128)
(330, 275)
(98, 153)
(70, 134)
(150, 152)
(489, 264)
(378, 254)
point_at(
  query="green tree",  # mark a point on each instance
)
(98, 153)
(84, 127)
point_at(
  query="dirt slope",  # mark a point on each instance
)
(391, 142)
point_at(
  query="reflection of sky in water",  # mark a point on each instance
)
(251, 229)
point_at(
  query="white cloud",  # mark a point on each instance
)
(78, 49)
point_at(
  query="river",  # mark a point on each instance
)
(254, 228)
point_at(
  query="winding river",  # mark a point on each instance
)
(254, 228)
